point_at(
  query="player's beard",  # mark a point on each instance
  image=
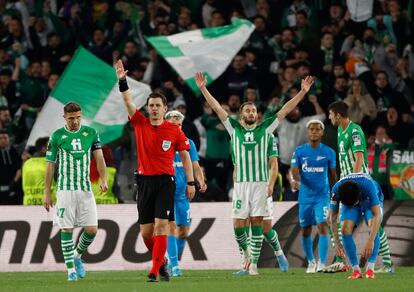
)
(250, 122)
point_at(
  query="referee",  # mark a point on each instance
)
(157, 141)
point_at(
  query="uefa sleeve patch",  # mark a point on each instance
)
(357, 140)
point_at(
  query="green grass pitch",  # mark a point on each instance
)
(269, 280)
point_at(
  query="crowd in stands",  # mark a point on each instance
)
(360, 52)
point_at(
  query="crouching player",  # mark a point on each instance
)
(360, 196)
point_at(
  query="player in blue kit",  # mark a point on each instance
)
(180, 224)
(313, 167)
(360, 196)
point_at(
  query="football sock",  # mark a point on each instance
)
(85, 240)
(307, 244)
(374, 255)
(241, 238)
(67, 246)
(350, 249)
(323, 246)
(158, 253)
(149, 243)
(247, 230)
(180, 246)
(256, 243)
(172, 250)
(370, 266)
(273, 240)
(384, 249)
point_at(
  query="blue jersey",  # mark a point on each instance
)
(371, 194)
(313, 164)
(180, 177)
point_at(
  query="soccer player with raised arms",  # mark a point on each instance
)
(313, 168)
(361, 197)
(352, 152)
(250, 143)
(72, 145)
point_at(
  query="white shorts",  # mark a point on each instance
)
(75, 209)
(269, 208)
(249, 200)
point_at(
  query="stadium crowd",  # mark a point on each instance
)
(360, 52)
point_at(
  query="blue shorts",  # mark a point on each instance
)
(182, 212)
(355, 214)
(313, 214)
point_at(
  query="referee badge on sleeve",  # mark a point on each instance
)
(166, 145)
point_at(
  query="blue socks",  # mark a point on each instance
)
(307, 247)
(373, 257)
(172, 250)
(180, 246)
(323, 246)
(350, 249)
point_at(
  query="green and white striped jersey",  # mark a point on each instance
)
(251, 148)
(351, 140)
(73, 150)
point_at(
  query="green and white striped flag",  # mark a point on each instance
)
(92, 84)
(208, 50)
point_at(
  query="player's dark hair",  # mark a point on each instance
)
(157, 95)
(348, 193)
(3, 108)
(41, 142)
(339, 107)
(246, 103)
(3, 132)
(72, 107)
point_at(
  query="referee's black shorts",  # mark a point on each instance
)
(155, 197)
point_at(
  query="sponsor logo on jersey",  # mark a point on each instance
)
(166, 145)
(305, 168)
(320, 158)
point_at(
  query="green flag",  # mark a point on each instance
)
(92, 84)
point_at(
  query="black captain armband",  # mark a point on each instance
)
(123, 85)
(191, 183)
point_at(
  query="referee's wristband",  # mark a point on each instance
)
(123, 85)
(191, 183)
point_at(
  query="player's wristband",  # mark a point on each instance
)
(123, 85)
(191, 183)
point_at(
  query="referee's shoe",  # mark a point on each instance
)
(164, 275)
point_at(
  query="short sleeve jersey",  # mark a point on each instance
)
(73, 152)
(371, 194)
(180, 177)
(314, 165)
(251, 148)
(351, 140)
(156, 145)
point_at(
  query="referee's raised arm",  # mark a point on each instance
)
(123, 88)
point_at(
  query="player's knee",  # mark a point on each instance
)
(91, 230)
(323, 228)
(307, 231)
(346, 229)
(182, 233)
